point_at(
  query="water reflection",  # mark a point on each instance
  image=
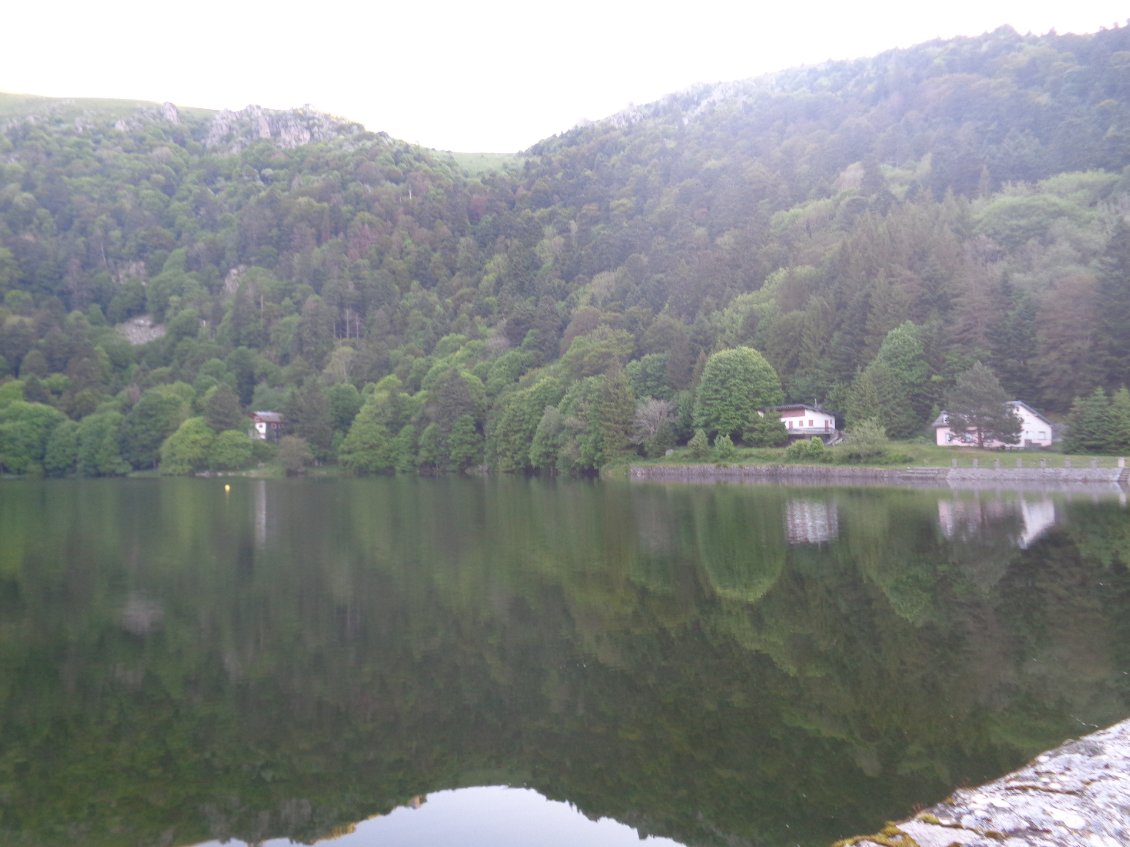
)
(811, 521)
(1022, 519)
(494, 816)
(712, 665)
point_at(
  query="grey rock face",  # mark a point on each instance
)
(292, 128)
(1077, 795)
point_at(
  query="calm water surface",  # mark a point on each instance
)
(517, 662)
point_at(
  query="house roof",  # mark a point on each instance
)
(267, 417)
(787, 406)
(1030, 410)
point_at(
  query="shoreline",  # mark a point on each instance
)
(1043, 477)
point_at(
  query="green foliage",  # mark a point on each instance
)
(308, 417)
(156, 416)
(381, 438)
(10, 392)
(597, 352)
(895, 387)
(1120, 429)
(404, 448)
(344, 401)
(517, 416)
(699, 446)
(464, 444)
(549, 438)
(810, 450)
(294, 455)
(431, 454)
(98, 452)
(864, 441)
(648, 376)
(368, 447)
(766, 430)
(1112, 327)
(25, 430)
(222, 411)
(230, 451)
(583, 448)
(615, 412)
(61, 456)
(735, 384)
(724, 450)
(188, 449)
(1099, 424)
(1013, 220)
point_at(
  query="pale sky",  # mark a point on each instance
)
(477, 75)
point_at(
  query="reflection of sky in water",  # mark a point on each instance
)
(484, 817)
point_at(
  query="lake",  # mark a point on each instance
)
(403, 661)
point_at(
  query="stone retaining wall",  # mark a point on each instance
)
(842, 475)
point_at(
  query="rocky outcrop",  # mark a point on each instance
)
(292, 128)
(1077, 795)
(140, 330)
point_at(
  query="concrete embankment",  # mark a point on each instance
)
(1077, 795)
(843, 475)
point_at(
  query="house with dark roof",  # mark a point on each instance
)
(267, 425)
(1035, 431)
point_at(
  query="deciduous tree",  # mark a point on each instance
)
(734, 384)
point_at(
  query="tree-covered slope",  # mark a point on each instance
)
(969, 195)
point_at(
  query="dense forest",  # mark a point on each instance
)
(861, 232)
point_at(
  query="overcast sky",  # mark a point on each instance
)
(491, 75)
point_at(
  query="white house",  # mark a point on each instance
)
(267, 425)
(1035, 430)
(804, 421)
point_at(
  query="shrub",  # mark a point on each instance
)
(294, 455)
(698, 445)
(724, 448)
(812, 450)
(865, 442)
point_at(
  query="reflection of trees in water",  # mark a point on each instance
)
(661, 655)
(741, 543)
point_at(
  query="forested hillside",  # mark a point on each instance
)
(871, 229)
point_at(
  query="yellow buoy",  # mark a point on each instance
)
(227, 488)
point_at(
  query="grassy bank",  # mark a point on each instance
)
(916, 454)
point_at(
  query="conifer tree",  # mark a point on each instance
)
(1112, 329)
(978, 405)
(1090, 424)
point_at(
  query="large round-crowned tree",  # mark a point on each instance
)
(735, 384)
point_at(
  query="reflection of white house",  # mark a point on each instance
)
(1035, 430)
(268, 425)
(804, 421)
(1039, 517)
(965, 519)
(811, 521)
